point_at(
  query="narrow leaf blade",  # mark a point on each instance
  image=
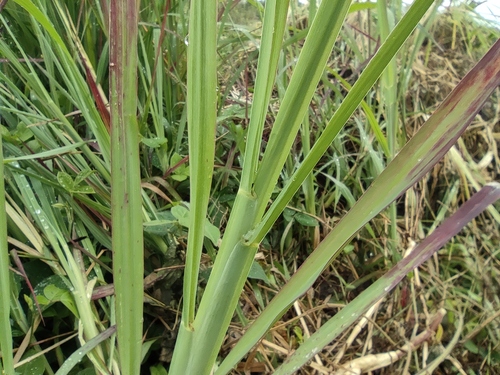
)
(336, 325)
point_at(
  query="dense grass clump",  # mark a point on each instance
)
(116, 192)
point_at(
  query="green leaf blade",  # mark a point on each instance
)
(430, 143)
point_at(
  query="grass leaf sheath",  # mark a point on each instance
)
(126, 203)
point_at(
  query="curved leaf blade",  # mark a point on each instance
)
(419, 155)
(349, 314)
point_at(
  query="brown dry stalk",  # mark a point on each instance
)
(373, 362)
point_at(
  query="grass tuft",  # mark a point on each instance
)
(147, 171)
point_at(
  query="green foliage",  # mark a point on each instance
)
(231, 142)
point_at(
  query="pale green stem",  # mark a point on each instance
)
(233, 262)
(389, 89)
(5, 329)
(126, 202)
(201, 116)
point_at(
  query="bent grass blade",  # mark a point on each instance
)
(416, 158)
(421, 253)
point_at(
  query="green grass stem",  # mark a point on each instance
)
(126, 202)
(201, 116)
(186, 90)
(272, 39)
(234, 259)
(309, 68)
(369, 76)
(425, 149)
(348, 315)
(389, 107)
(5, 328)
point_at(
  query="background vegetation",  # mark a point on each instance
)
(55, 125)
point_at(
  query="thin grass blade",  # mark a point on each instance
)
(424, 150)
(310, 66)
(72, 77)
(422, 252)
(266, 71)
(208, 333)
(46, 154)
(366, 80)
(202, 117)
(5, 328)
(78, 355)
